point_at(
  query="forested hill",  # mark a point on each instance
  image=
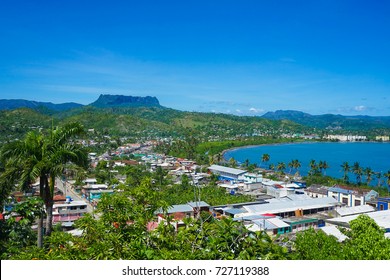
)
(144, 117)
(11, 104)
(104, 101)
(330, 121)
(148, 123)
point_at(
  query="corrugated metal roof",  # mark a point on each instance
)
(382, 218)
(233, 171)
(333, 230)
(340, 190)
(234, 211)
(288, 206)
(179, 208)
(278, 222)
(346, 211)
(198, 204)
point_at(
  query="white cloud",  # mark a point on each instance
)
(360, 108)
(255, 110)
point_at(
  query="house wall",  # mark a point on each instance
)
(350, 200)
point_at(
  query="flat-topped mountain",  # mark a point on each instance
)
(108, 101)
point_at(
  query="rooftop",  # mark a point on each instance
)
(382, 218)
(290, 206)
(229, 170)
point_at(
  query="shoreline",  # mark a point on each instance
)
(260, 145)
(287, 143)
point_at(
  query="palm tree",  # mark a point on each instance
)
(291, 165)
(368, 173)
(323, 166)
(313, 167)
(44, 157)
(346, 168)
(232, 162)
(280, 167)
(378, 175)
(387, 176)
(297, 165)
(219, 157)
(265, 158)
(358, 171)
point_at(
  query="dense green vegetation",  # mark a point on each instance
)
(331, 122)
(147, 123)
(121, 233)
(121, 230)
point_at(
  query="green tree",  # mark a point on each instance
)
(358, 171)
(44, 157)
(233, 162)
(281, 167)
(323, 165)
(316, 245)
(265, 158)
(345, 168)
(387, 176)
(366, 241)
(368, 172)
(313, 167)
(378, 176)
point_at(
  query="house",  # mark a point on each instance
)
(351, 197)
(253, 178)
(290, 208)
(381, 203)
(316, 191)
(231, 188)
(94, 195)
(69, 211)
(301, 223)
(273, 225)
(278, 191)
(90, 181)
(87, 189)
(227, 173)
(199, 206)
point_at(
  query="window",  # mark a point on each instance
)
(345, 200)
(357, 202)
(381, 207)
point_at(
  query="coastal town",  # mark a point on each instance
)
(277, 203)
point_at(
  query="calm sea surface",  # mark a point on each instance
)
(373, 155)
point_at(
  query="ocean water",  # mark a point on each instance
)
(373, 155)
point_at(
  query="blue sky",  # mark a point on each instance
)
(240, 57)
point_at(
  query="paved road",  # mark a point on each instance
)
(68, 191)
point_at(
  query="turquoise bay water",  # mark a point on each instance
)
(373, 155)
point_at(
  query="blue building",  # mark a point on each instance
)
(381, 203)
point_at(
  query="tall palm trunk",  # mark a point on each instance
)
(49, 205)
(40, 218)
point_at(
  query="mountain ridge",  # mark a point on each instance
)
(330, 121)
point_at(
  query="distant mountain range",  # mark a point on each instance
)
(11, 104)
(128, 105)
(104, 101)
(330, 121)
